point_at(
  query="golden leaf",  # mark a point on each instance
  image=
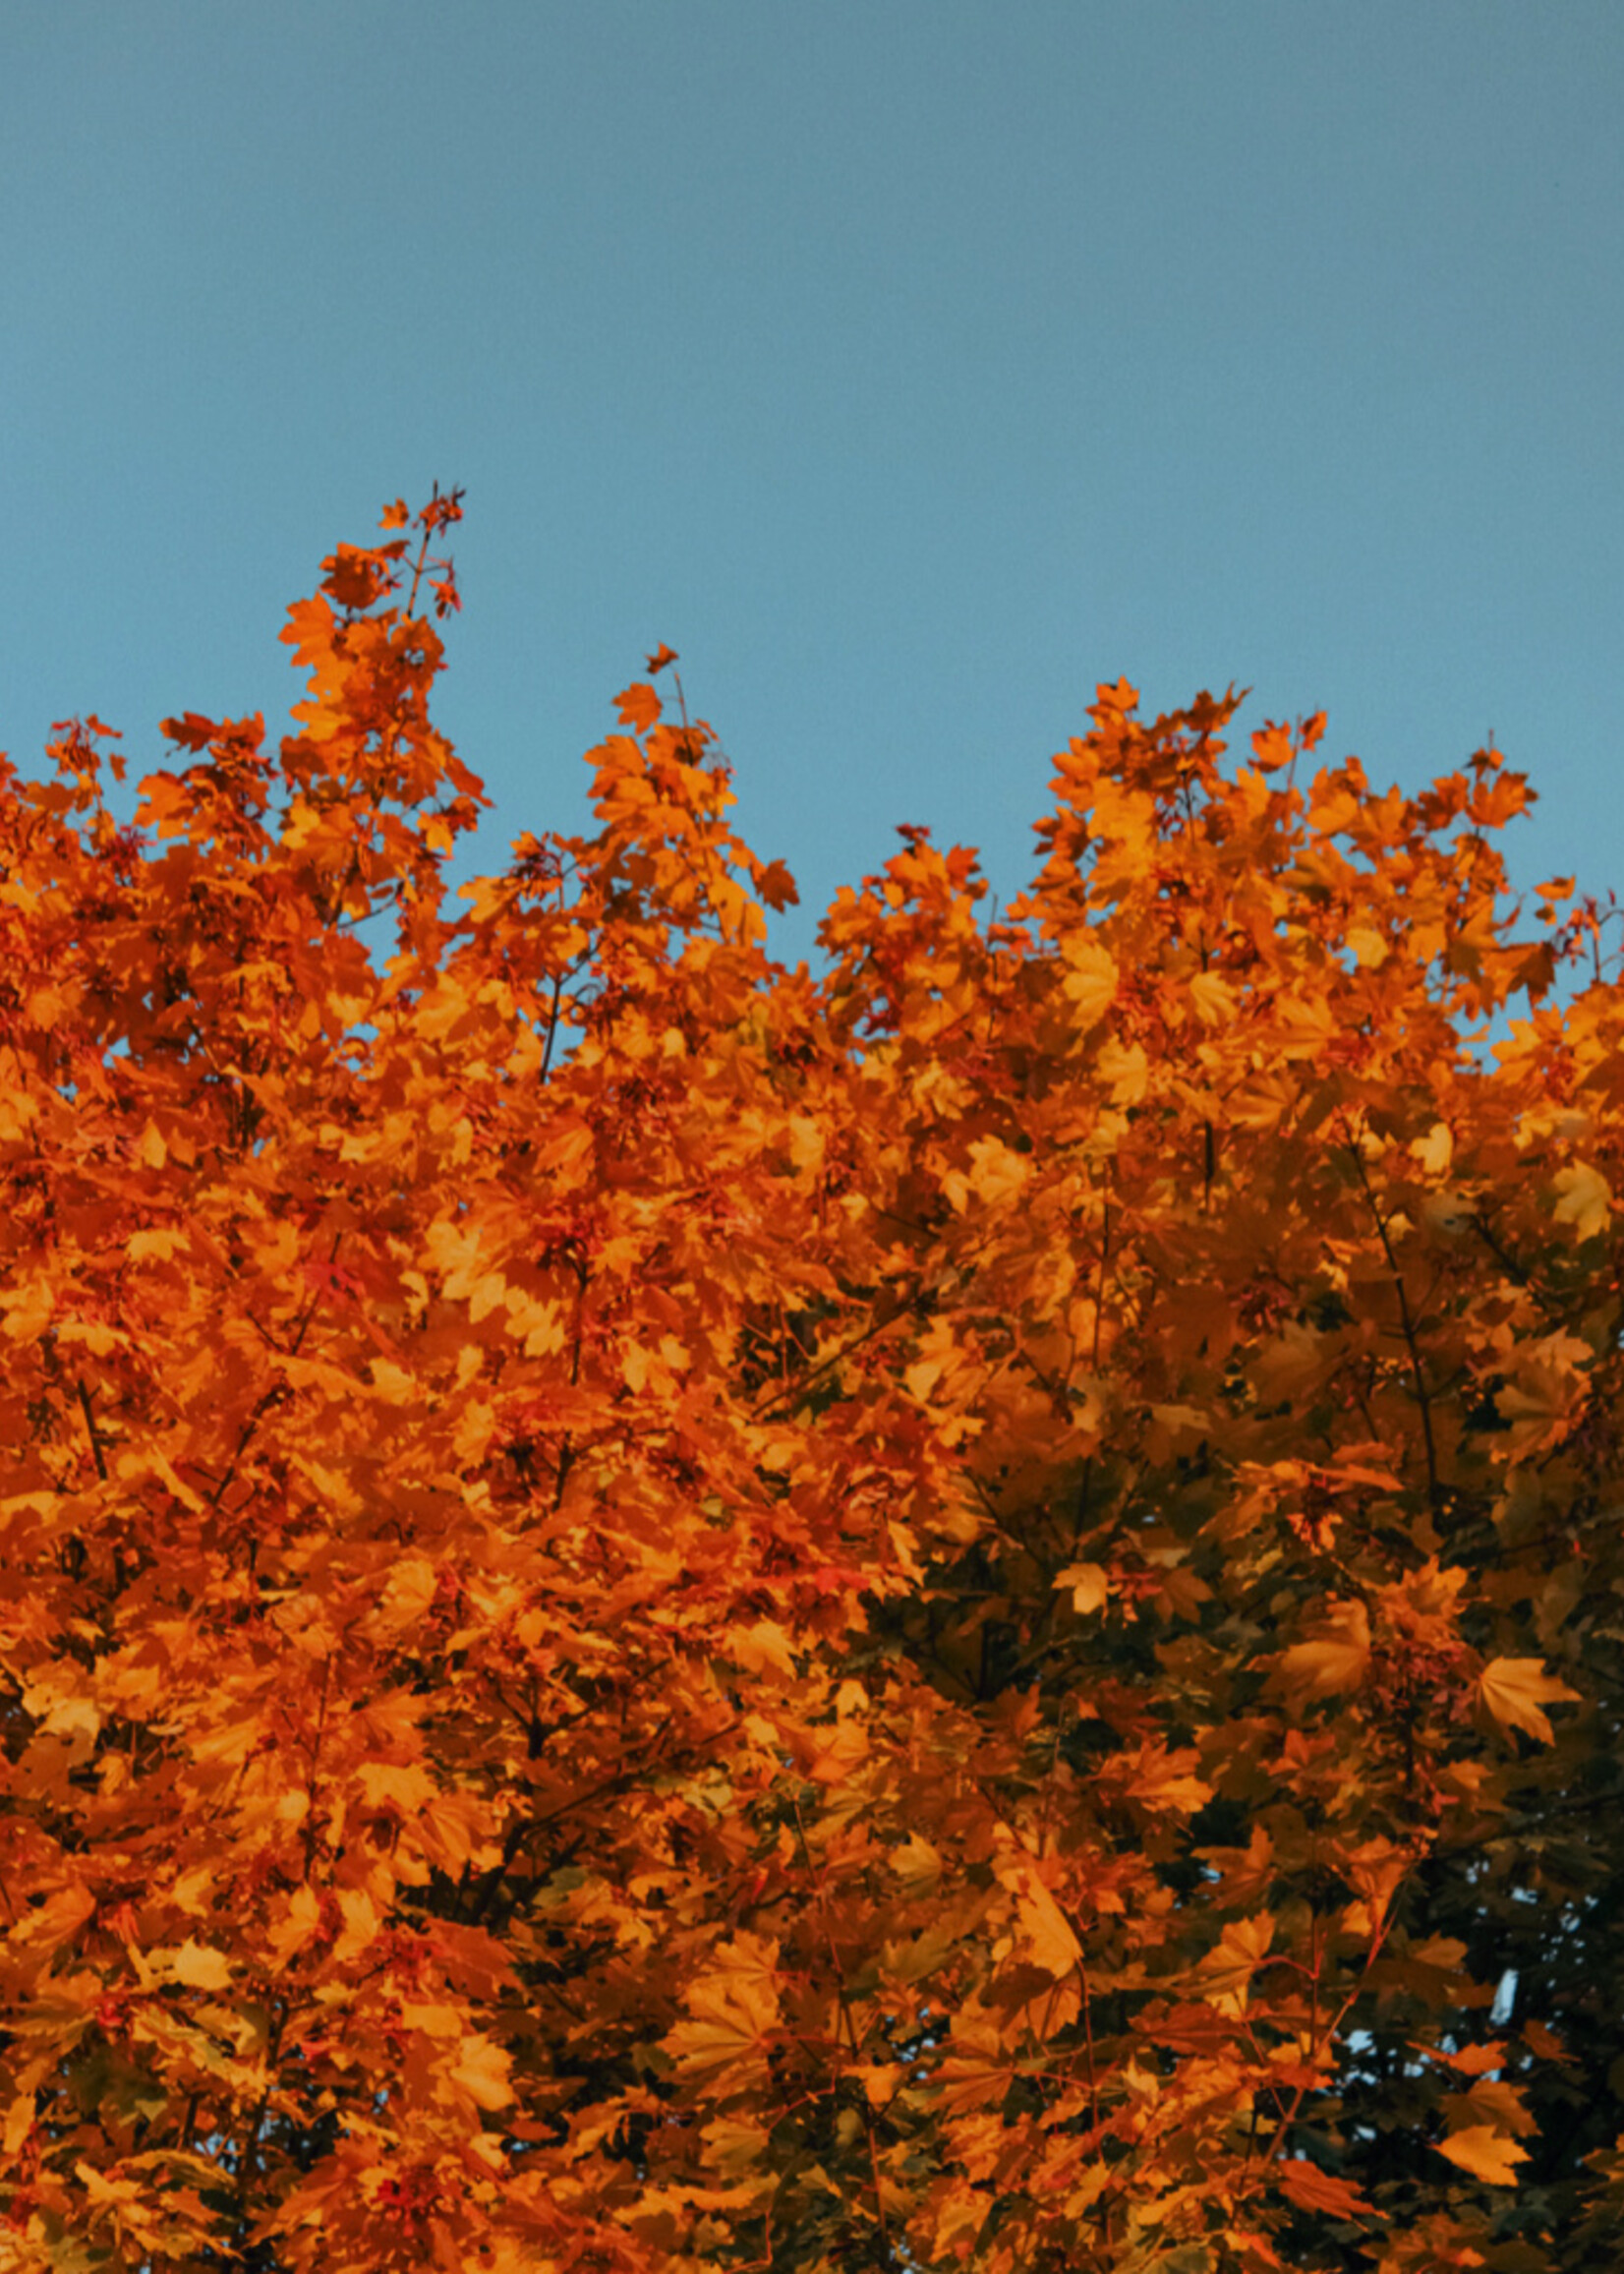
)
(1514, 1690)
(1486, 2153)
(1333, 1660)
(1312, 2189)
(1585, 1200)
(480, 2069)
(1369, 949)
(762, 1648)
(732, 2010)
(1091, 1587)
(1091, 981)
(1213, 998)
(1434, 1152)
(1225, 1973)
(196, 1965)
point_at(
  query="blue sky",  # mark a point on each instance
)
(909, 365)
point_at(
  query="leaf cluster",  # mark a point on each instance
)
(659, 1613)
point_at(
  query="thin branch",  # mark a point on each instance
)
(855, 2049)
(91, 1432)
(1406, 1322)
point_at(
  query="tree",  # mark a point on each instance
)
(661, 1612)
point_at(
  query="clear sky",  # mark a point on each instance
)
(908, 365)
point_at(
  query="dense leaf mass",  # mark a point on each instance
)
(660, 1613)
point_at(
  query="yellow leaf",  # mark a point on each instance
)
(807, 1142)
(28, 1309)
(1434, 1151)
(444, 1830)
(485, 1295)
(361, 1924)
(1127, 1070)
(73, 1720)
(158, 1243)
(197, 1965)
(1331, 1660)
(411, 1588)
(1088, 1584)
(57, 1920)
(1049, 1940)
(732, 2010)
(880, 2081)
(923, 1378)
(299, 1925)
(1515, 1689)
(1226, 1972)
(836, 1751)
(1154, 1777)
(1091, 981)
(1587, 1199)
(762, 1646)
(1213, 1001)
(1470, 2059)
(440, 1008)
(119, 2193)
(1045, 1934)
(434, 2021)
(996, 1174)
(737, 2145)
(916, 1863)
(1377, 1870)
(1486, 2153)
(481, 2068)
(400, 1786)
(1369, 948)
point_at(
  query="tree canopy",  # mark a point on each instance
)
(662, 1613)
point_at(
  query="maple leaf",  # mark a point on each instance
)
(354, 577)
(733, 2014)
(1090, 980)
(1225, 1973)
(638, 707)
(1214, 1000)
(1585, 1200)
(1486, 2153)
(1047, 1936)
(1545, 2041)
(1312, 2189)
(197, 1965)
(762, 1645)
(777, 886)
(481, 2068)
(1516, 1690)
(1090, 1584)
(1332, 1659)
(192, 732)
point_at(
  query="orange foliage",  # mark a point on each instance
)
(663, 1614)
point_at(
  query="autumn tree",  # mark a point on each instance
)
(665, 1613)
